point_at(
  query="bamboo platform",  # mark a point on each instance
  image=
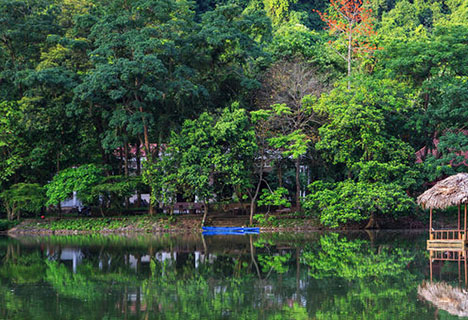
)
(453, 239)
(444, 244)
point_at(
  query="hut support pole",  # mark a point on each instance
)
(459, 270)
(430, 263)
(466, 274)
(464, 231)
(458, 218)
(430, 224)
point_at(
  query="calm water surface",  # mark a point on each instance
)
(267, 276)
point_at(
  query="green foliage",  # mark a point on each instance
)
(80, 180)
(11, 144)
(350, 260)
(450, 158)
(206, 152)
(85, 82)
(276, 263)
(137, 223)
(295, 143)
(191, 150)
(346, 275)
(364, 131)
(115, 189)
(294, 40)
(26, 269)
(278, 9)
(23, 198)
(277, 197)
(264, 220)
(69, 284)
(349, 201)
(5, 225)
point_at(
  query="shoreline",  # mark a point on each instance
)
(186, 231)
(145, 225)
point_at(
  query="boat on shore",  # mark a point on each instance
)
(230, 230)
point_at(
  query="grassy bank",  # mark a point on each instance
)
(186, 223)
(5, 225)
(145, 224)
(107, 225)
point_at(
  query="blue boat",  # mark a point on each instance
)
(210, 231)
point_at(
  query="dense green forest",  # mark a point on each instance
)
(341, 110)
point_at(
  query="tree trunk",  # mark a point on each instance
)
(138, 172)
(205, 213)
(372, 224)
(298, 185)
(253, 198)
(10, 212)
(127, 201)
(147, 153)
(252, 257)
(371, 234)
(120, 161)
(280, 174)
(253, 208)
(146, 137)
(126, 159)
(58, 170)
(350, 49)
(151, 208)
(239, 196)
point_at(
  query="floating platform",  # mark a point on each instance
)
(444, 244)
(211, 231)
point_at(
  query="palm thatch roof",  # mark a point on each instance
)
(454, 300)
(451, 191)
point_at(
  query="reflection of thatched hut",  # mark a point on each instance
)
(452, 191)
(445, 297)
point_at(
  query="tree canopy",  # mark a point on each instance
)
(218, 100)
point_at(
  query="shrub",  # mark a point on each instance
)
(23, 197)
(348, 201)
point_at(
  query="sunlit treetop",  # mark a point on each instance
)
(353, 19)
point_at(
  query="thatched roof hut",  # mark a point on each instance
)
(454, 300)
(451, 191)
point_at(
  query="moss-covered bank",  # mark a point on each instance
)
(164, 223)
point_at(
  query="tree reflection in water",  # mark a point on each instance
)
(270, 276)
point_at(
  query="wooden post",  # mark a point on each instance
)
(466, 273)
(464, 231)
(430, 264)
(430, 224)
(459, 222)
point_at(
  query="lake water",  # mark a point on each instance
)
(267, 276)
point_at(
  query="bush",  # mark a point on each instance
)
(350, 201)
(7, 224)
(276, 197)
(23, 197)
(80, 179)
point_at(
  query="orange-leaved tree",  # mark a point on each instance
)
(351, 22)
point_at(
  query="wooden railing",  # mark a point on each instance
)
(448, 255)
(447, 235)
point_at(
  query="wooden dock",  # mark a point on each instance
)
(453, 239)
(444, 244)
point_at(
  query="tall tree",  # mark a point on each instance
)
(366, 131)
(208, 152)
(289, 91)
(350, 22)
